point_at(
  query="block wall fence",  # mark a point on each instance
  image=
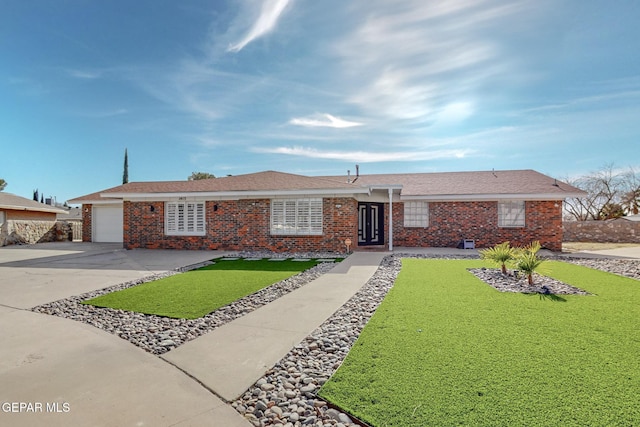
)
(611, 231)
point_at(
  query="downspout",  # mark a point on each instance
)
(390, 219)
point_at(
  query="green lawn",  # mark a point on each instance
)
(446, 349)
(198, 292)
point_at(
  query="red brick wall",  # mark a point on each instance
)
(239, 225)
(86, 222)
(449, 222)
(244, 224)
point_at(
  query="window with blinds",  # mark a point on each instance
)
(511, 213)
(185, 219)
(296, 216)
(416, 214)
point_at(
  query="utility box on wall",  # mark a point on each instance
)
(467, 244)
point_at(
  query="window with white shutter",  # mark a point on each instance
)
(511, 213)
(296, 216)
(185, 219)
(416, 214)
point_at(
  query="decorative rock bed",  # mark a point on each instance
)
(286, 394)
(512, 282)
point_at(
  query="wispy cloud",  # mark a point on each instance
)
(266, 21)
(408, 60)
(84, 74)
(325, 120)
(367, 156)
(104, 114)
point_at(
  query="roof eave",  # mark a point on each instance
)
(488, 197)
(34, 209)
(238, 194)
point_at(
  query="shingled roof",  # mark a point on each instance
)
(482, 183)
(254, 182)
(440, 185)
(12, 202)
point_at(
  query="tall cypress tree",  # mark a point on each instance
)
(125, 174)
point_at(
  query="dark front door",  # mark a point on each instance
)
(370, 224)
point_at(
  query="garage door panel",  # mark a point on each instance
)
(107, 224)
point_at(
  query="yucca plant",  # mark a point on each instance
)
(526, 260)
(499, 254)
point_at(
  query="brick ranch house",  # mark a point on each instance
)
(281, 212)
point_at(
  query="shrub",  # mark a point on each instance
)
(526, 260)
(499, 254)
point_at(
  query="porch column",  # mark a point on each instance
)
(390, 219)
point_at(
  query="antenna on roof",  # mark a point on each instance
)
(357, 173)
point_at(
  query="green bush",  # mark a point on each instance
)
(526, 260)
(499, 254)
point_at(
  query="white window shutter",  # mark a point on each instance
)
(296, 216)
(185, 218)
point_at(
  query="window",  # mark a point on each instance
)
(184, 219)
(296, 216)
(511, 213)
(416, 214)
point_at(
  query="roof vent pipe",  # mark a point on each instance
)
(348, 176)
(357, 173)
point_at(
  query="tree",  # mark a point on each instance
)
(605, 193)
(195, 176)
(631, 198)
(3, 184)
(125, 174)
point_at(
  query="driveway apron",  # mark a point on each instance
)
(59, 372)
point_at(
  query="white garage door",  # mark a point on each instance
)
(107, 224)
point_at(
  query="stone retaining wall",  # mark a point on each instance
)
(34, 231)
(611, 231)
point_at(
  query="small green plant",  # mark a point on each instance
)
(499, 254)
(526, 260)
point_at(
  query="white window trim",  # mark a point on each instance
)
(416, 214)
(511, 214)
(185, 219)
(296, 217)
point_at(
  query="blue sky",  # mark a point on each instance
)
(312, 87)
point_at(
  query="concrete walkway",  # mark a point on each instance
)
(233, 357)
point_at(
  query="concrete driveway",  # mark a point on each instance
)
(59, 372)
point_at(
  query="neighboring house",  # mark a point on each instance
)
(285, 212)
(26, 221)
